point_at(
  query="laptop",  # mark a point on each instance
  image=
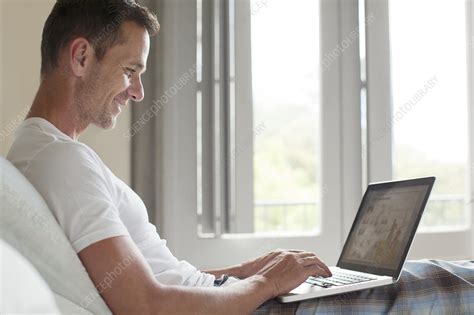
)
(378, 242)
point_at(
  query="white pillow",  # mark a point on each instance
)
(28, 225)
(22, 290)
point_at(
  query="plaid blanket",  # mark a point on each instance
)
(425, 287)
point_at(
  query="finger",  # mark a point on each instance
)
(316, 270)
(316, 260)
(313, 260)
(322, 264)
(305, 254)
(320, 271)
(325, 266)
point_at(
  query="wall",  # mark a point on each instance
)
(21, 25)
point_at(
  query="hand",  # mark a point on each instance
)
(285, 270)
(251, 267)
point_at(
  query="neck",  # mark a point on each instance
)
(55, 103)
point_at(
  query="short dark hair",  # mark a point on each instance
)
(98, 21)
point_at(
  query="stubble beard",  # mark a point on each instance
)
(88, 101)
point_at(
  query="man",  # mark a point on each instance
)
(93, 56)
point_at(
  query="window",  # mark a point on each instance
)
(430, 109)
(263, 178)
(418, 116)
(276, 128)
(286, 101)
(293, 117)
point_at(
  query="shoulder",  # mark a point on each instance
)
(65, 157)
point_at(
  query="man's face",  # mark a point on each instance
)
(112, 82)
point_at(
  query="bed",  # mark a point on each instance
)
(424, 287)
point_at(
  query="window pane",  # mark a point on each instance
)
(430, 110)
(285, 87)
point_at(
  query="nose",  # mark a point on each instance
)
(135, 91)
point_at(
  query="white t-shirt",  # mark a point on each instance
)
(89, 202)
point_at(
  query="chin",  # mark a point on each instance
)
(111, 124)
(107, 123)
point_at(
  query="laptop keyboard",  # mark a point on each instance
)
(338, 279)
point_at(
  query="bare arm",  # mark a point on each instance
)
(134, 290)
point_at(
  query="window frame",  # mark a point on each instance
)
(470, 62)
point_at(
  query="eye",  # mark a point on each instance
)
(129, 72)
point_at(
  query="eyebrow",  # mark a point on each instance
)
(138, 65)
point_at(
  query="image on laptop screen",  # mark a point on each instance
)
(384, 226)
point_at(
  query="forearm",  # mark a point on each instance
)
(240, 298)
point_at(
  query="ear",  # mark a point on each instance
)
(80, 56)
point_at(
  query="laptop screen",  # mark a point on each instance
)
(384, 227)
